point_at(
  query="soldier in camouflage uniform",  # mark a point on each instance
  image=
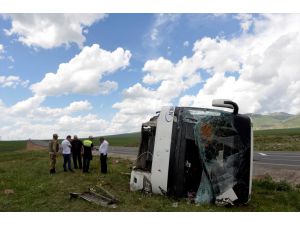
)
(53, 151)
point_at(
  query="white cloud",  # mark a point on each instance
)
(265, 62)
(51, 30)
(1, 51)
(186, 44)
(11, 59)
(83, 126)
(259, 70)
(186, 100)
(246, 21)
(107, 86)
(162, 25)
(12, 81)
(28, 119)
(25, 106)
(83, 73)
(141, 102)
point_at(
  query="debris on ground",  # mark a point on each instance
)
(115, 161)
(175, 204)
(9, 191)
(97, 195)
(128, 174)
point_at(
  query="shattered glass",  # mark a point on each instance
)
(224, 154)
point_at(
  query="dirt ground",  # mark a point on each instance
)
(277, 173)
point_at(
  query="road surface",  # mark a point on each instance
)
(279, 165)
(286, 160)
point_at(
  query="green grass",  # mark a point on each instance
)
(127, 140)
(12, 145)
(290, 131)
(264, 140)
(26, 173)
(277, 140)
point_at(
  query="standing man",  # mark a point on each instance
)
(87, 154)
(66, 150)
(76, 152)
(103, 154)
(53, 151)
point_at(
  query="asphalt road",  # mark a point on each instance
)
(287, 160)
(279, 165)
(280, 159)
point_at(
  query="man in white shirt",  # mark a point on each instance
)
(103, 154)
(66, 151)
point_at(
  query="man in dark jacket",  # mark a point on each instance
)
(87, 153)
(76, 152)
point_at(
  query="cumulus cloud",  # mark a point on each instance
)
(83, 126)
(265, 62)
(83, 73)
(258, 69)
(51, 30)
(142, 101)
(28, 119)
(246, 21)
(12, 81)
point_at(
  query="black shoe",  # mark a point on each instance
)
(71, 170)
(66, 170)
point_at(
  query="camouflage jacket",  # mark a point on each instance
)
(53, 147)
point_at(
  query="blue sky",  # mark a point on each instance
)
(207, 55)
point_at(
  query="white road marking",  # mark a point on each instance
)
(289, 160)
(273, 164)
(263, 154)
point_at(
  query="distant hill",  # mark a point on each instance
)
(276, 120)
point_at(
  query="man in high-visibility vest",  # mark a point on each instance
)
(87, 153)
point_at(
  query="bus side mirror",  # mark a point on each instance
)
(226, 104)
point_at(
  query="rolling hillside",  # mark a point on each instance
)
(278, 120)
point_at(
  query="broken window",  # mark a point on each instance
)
(224, 147)
(144, 159)
(210, 156)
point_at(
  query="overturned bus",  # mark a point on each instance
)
(203, 154)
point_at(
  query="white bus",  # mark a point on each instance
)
(203, 154)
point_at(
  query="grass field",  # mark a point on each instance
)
(277, 140)
(264, 140)
(12, 145)
(34, 189)
(127, 140)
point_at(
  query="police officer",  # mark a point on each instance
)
(87, 153)
(53, 151)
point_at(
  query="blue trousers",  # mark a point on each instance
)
(67, 160)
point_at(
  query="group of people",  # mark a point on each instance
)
(80, 151)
